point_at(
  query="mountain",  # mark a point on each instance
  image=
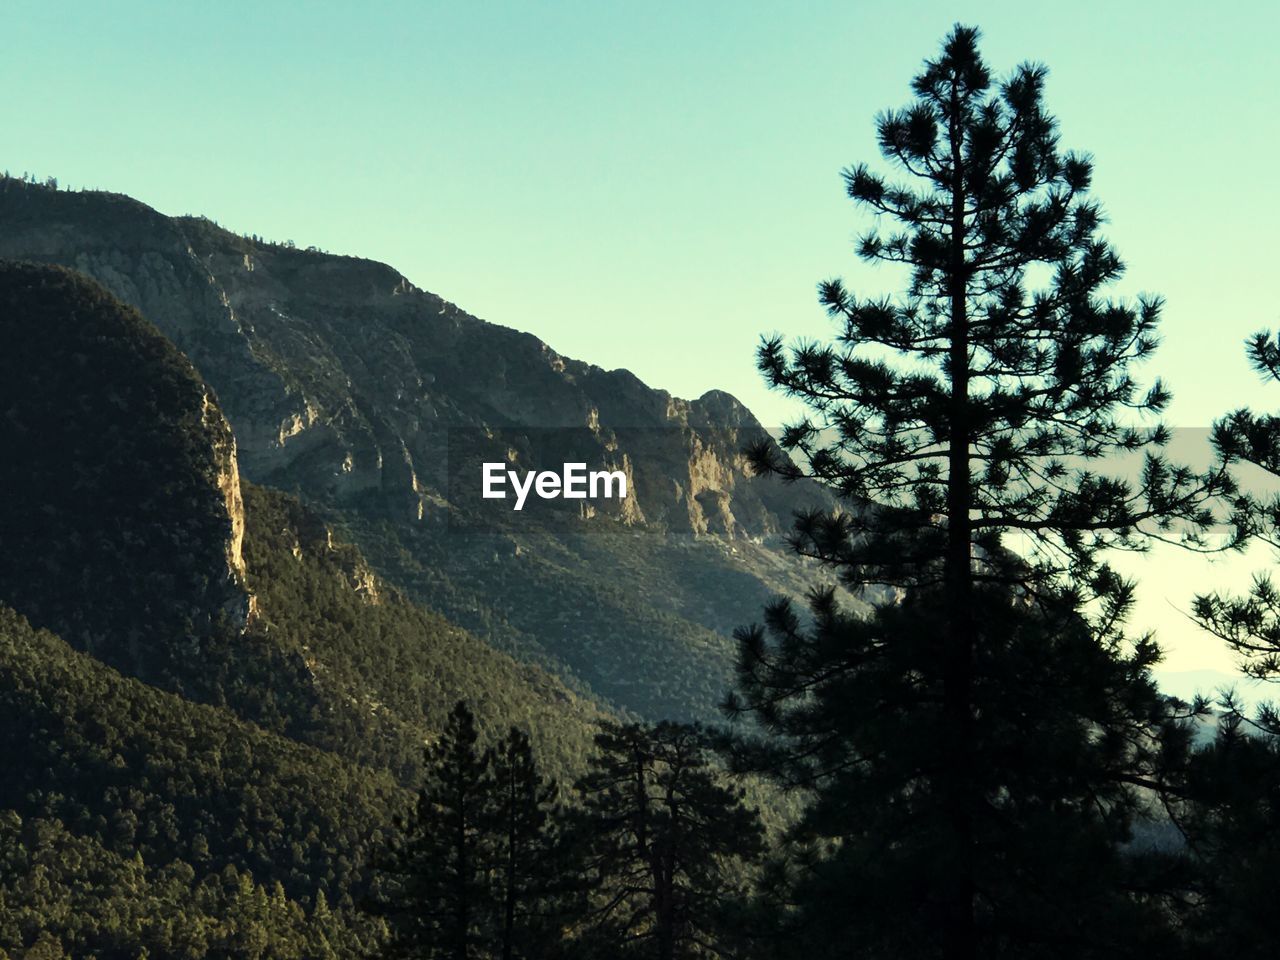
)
(349, 386)
(222, 649)
(213, 706)
(122, 517)
(129, 534)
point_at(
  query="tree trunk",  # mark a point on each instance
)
(509, 919)
(460, 950)
(664, 912)
(959, 933)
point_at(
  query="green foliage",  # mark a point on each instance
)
(563, 601)
(1228, 810)
(133, 818)
(650, 860)
(973, 748)
(662, 843)
(473, 873)
(1070, 735)
(114, 524)
(381, 671)
(136, 772)
(65, 896)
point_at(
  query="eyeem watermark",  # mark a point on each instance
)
(505, 478)
(573, 482)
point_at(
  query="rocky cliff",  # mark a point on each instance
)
(347, 383)
(122, 522)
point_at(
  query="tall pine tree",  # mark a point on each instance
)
(478, 871)
(960, 421)
(529, 863)
(434, 889)
(663, 842)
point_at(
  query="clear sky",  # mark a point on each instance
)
(653, 185)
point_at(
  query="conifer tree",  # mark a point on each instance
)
(1230, 807)
(960, 421)
(478, 871)
(663, 842)
(435, 891)
(1228, 812)
(1250, 624)
(1072, 745)
(528, 858)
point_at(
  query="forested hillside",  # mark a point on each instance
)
(348, 385)
(184, 774)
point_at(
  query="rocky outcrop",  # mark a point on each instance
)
(342, 377)
(122, 520)
(227, 480)
(348, 384)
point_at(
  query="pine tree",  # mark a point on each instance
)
(434, 888)
(527, 853)
(1229, 814)
(1070, 737)
(1250, 624)
(958, 420)
(1230, 809)
(663, 841)
(478, 870)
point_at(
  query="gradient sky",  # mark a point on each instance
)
(653, 185)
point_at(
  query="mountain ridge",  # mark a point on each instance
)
(347, 384)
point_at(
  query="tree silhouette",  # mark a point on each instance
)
(478, 870)
(434, 891)
(1072, 744)
(960, 421)
(1229, 814)
(1231, 803)
(1250, 624)
(529, 860)
(661, 839)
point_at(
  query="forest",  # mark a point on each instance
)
(950, 746)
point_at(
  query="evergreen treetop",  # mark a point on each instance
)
(972, 404)
(963, 422)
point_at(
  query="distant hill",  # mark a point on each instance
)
(347, 385)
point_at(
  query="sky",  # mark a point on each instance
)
(655, 185)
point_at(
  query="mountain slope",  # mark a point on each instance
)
(347, 384)
(126, 531)
(132, 818)
(121, 517)
(372, 675)
(204, 764)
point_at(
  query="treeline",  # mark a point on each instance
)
(653, 852)
(648, 855)
(134, 822)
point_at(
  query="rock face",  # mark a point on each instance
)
(339, 375)
(345, 382)
(122, 520)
